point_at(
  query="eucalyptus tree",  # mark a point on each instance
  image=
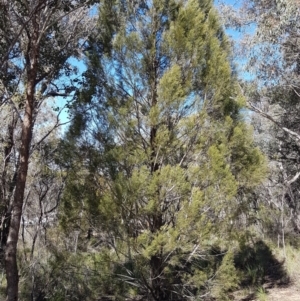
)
(164, 152)
(272, 52)
(37, 40)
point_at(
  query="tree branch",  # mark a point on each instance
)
(291, 133)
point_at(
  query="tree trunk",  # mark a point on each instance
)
(16, 212)
(11, 267)
(156, 264)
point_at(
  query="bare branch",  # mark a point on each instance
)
(291, 133)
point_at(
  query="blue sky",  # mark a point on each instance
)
(235, 35)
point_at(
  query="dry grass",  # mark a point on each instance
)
(292, 264)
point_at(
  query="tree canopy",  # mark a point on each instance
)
(173, 152)
(176, 175)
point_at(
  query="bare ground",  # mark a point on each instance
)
(273, 292)
(288, 293)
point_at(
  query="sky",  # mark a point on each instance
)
(60, 102)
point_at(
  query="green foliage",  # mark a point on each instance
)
(261, 294)
(245, 158)
(70, 275)
(226, 279)
(159, 175)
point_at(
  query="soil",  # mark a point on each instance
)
(290, 292)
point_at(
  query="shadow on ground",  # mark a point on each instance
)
(258, 267)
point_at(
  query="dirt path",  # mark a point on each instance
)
(291, 293)
(288, 293)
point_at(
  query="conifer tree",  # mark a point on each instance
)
(167, 152)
